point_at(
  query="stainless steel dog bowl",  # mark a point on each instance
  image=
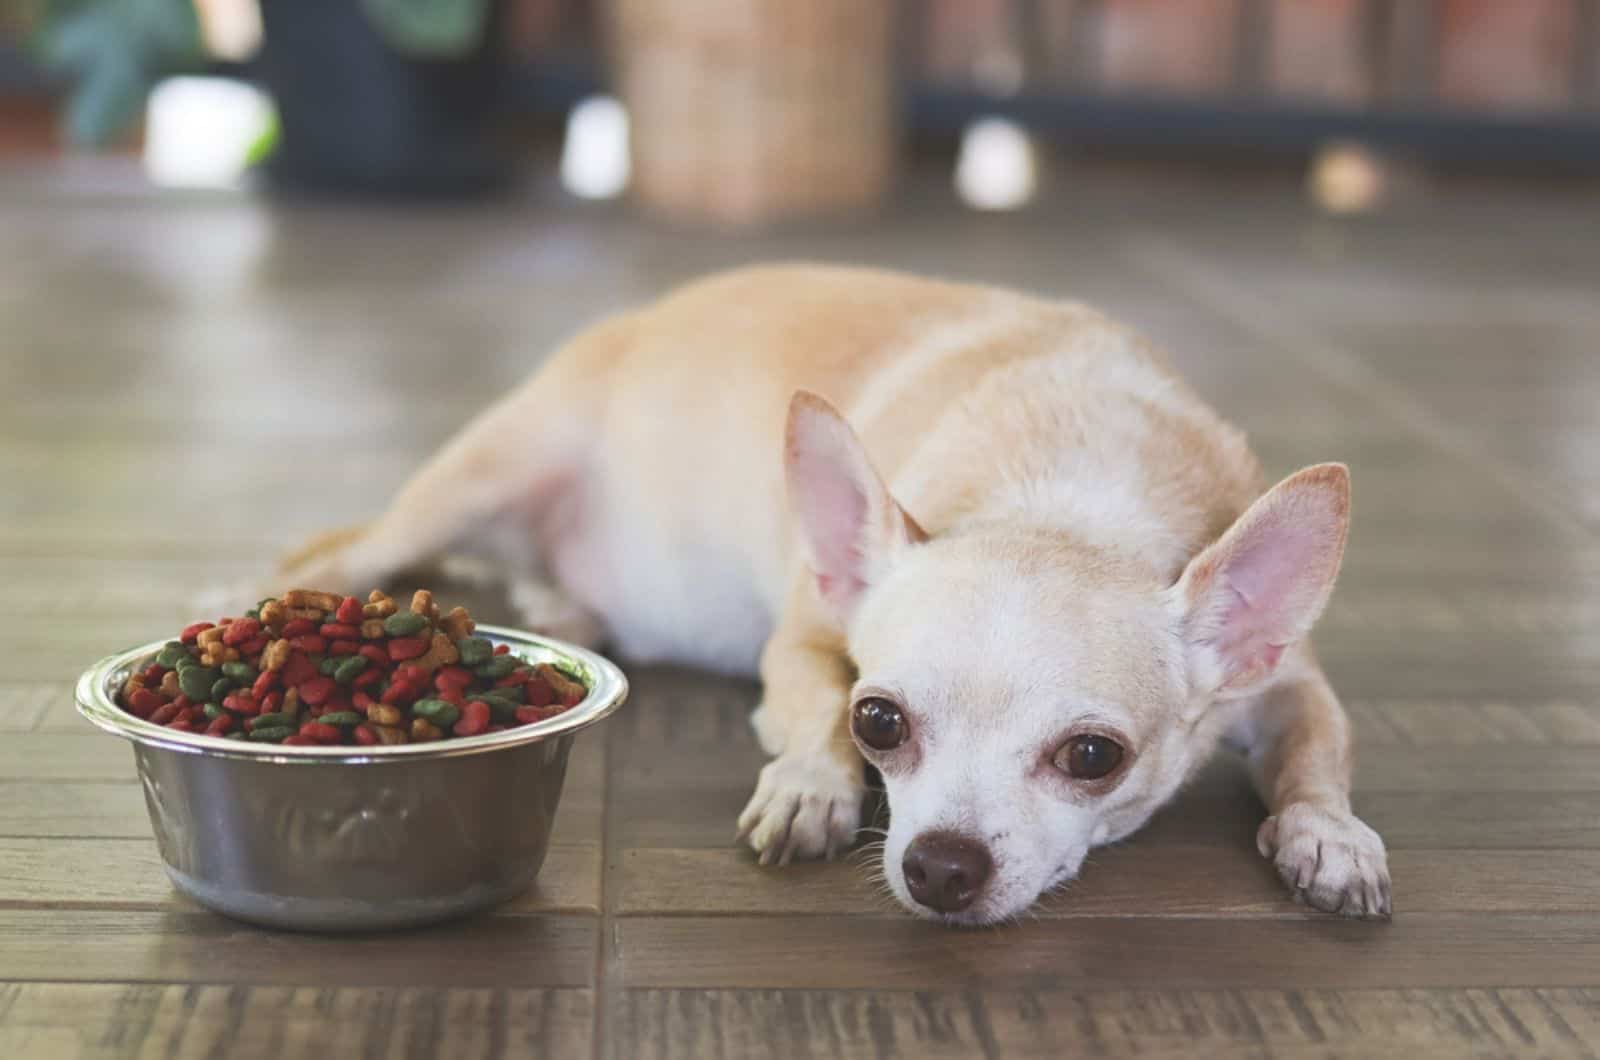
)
(347, 839)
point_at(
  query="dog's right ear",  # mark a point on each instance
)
(849, 525)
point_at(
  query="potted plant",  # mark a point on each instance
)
(375, 97)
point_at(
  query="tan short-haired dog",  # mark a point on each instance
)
(986, 542)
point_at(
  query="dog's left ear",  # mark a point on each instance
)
(849, 525)
(1264, 583)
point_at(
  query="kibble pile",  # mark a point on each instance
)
(317, 668)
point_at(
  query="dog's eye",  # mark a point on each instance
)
(1089, 757)
(879, 724)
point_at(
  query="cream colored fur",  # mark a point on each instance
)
(1016, 524)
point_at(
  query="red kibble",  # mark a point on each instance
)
(265, 682)
(271, 702)
(152, 674)
(529, 715)
(182, 701)
(364, 735)
(453, 697)
(573, 697)
(474, 719)
(399, 694)
(240, 703)
(406, 648)
(192, 633)
(311, 644)
(370, 676)
(538, 693)
(316, 730)
(374, 653)
(316, 691)
(340, 631)
(452, 678)
(412, 674)
(189, 715)
(181, 725)
(296, 740)
(298, 670)
(297, 627)
(145, 701)
(361, 701)
(501, 649)
(220, 724)
(515, 678)
(344, 647)
(350, 611)
(165, 714)
(240, 631)
(254, 646)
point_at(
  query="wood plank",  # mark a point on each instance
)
(24, 706)
(80, 756)
(900, 953)
(137, 946)
(1169, 1024)
(1180, 881)
(102, 1021)
(129, 874)
(52, 808)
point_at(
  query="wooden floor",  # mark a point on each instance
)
(187, 385)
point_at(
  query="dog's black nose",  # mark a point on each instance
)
(945, 871)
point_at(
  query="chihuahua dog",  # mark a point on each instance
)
(988, 543)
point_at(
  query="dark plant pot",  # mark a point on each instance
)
(359, 118)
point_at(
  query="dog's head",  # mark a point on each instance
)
(1026, 698)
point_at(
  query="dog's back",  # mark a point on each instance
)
(977, 404)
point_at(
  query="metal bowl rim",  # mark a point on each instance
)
(607, 692)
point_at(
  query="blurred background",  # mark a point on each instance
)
(750, 111)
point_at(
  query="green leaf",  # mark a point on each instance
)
(116, 49)
(437, 29)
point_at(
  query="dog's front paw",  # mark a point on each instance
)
(805, 806)
(1330, 859)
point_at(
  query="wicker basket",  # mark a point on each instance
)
(752, 111)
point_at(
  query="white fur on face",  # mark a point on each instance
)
(998, 651)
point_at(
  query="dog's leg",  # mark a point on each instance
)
(501, 475)
(1298, 741)
(808, 799)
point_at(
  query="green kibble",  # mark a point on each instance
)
(220, 687)
(438, 711)
(213, 710)
(254, 612)
(276, 734)
(497, 667)
(273, 721)
(500, 708)
(405, 624)
(239, 672)
(349, 668)
(327, 666)
(342, 717)
(170, 654)
(196, 681)
(475, 651)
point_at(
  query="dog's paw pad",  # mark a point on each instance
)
(805, 806)
(1329, 859)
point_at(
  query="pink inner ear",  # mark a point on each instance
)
(833, 512)
(1271, 586)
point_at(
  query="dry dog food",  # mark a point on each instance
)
(318, 668)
